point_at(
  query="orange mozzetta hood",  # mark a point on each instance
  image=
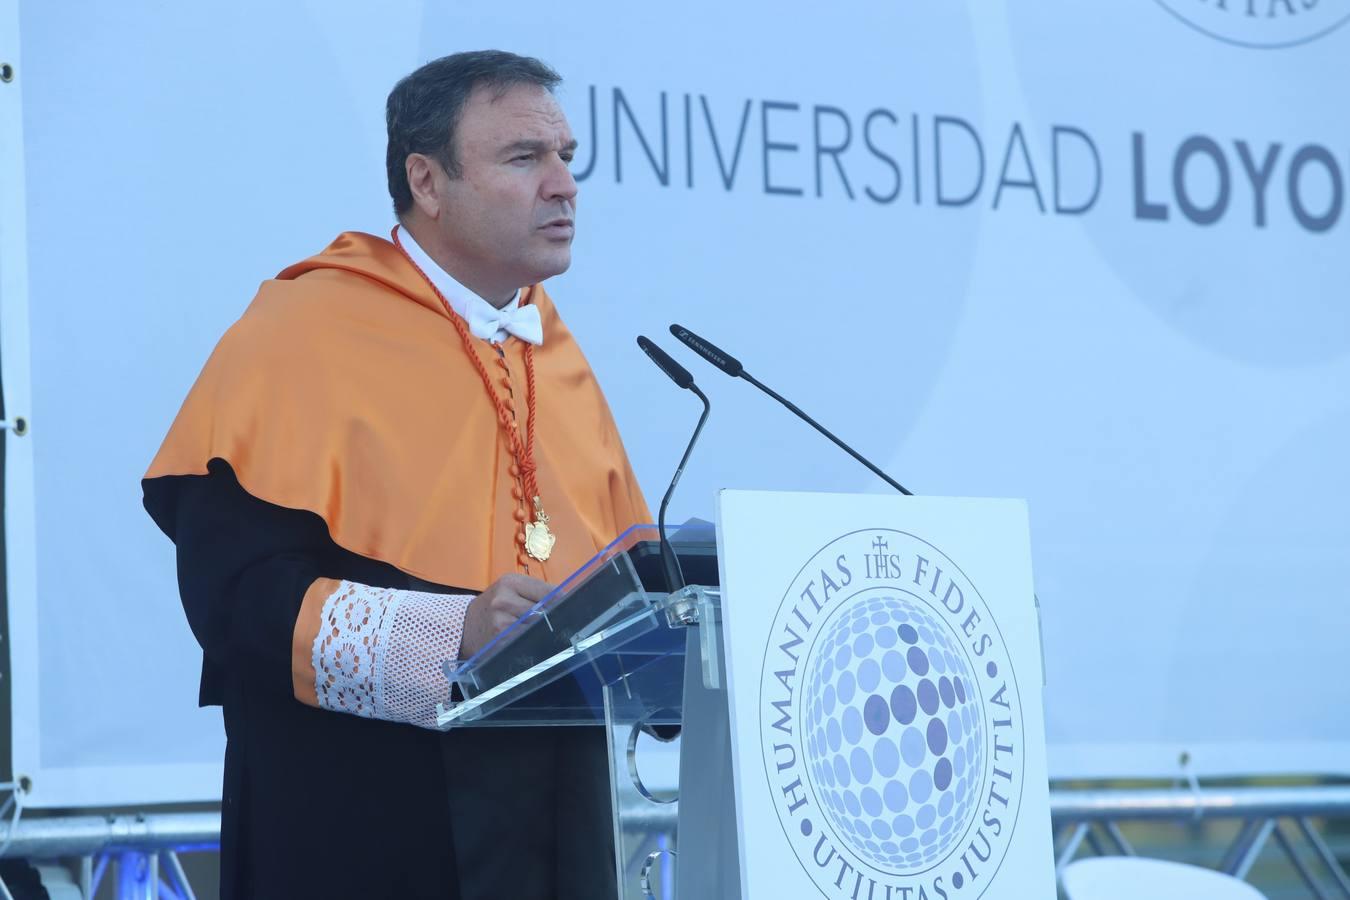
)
(345, 390)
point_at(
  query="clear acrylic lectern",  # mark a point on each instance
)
(610, 645)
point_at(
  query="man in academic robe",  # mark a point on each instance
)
(386, 461)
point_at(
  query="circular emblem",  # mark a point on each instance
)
(890, 722)
(1262, 23)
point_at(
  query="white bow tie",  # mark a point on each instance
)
(487, 322)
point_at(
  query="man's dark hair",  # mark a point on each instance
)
(424, 108)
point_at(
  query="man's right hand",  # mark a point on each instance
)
(494, 610)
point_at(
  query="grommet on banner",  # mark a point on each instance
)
(6, 73)
(18, 425)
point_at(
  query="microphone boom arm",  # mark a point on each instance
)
(823, 430)
(673, 561)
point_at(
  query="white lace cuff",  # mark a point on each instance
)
(379, 651)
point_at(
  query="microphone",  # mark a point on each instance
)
(732, 366)
(680, 375)
(666, 363)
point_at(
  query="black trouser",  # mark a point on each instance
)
(530, 813)
(327, 805)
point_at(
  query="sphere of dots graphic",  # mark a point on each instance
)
(894, 741)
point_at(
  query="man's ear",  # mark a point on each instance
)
(422, 173)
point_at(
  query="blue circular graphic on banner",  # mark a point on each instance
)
(894, 740)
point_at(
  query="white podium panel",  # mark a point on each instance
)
(884, 670)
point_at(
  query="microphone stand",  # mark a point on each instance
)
(823, 430)
(730, 365)
(680, 375)
(674, 572)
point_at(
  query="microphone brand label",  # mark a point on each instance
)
(890, 723)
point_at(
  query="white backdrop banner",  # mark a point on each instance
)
(1093, 255)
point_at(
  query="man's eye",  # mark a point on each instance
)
(567, 158)
(524, 157)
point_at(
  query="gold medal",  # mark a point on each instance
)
(539, 540)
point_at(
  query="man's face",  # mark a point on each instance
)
(508, 218)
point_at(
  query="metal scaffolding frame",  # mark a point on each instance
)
(1089, 818)
(143, 849)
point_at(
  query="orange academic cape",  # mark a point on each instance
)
(345, 390)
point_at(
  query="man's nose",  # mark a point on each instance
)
(559, 184)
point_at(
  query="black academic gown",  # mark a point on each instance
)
(329, 805)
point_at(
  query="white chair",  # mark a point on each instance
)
(59, 884)
(1135, 878)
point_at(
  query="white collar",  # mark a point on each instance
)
(463, 302)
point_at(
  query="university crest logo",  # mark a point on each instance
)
(890, 723)
(1264, 24)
